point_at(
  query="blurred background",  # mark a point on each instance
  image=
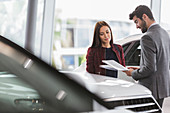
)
(63, 29)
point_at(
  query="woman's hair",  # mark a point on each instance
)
(96, 37)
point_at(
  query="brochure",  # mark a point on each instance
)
(107, 67)
(113, 65)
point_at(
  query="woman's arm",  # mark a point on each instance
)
(122, 57)
(90, 60)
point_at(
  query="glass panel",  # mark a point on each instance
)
(133, 56)
(165, 17)
(13, 19)
(16, 92)
(67, 62)
(125, 47)
(75, 21)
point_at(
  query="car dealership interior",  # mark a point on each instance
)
(43, 47)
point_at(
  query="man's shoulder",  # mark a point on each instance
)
(156, 31)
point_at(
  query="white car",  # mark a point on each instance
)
(117, 93)
(29, 85)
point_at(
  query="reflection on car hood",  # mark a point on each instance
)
(108, 87)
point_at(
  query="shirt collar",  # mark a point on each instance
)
(152, 25)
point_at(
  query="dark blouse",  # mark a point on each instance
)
(95, 55)
(111, 55)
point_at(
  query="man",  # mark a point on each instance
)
(155, 55)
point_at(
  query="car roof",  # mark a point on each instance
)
(131, 38)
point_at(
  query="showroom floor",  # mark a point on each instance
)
(166, 105)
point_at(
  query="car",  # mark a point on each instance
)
(28, 84)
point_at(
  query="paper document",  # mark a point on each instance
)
(107, 67)
(113, 64)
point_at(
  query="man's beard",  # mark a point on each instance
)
(143, 26)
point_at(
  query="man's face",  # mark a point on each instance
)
(141, 24)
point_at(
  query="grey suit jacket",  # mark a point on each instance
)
(155, 62)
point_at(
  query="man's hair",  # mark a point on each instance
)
(139, 11)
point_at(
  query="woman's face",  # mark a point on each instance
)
(105, 35)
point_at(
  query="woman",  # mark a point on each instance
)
(103, 49)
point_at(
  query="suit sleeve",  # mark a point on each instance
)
(90, 61)
(148, 59)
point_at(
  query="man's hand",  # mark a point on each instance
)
(129, 72)
(134, 68)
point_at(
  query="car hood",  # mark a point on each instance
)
(114, 111)
(108, 87)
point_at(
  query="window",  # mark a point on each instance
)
(164, 14)
(132, 58)
(13, 19)
(16, 91)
